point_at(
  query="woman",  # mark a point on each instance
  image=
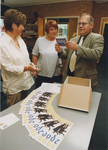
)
(15, 62)
(45, 56)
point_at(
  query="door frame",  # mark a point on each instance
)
(104, 20)
(45, 19)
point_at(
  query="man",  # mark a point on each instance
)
(15, 62)
(82, 58)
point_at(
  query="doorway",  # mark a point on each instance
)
(104, 57)
(104, 32)
(67, 26)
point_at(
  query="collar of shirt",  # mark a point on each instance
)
(84, 37)
(8, 38)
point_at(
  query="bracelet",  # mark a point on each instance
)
(27, 68)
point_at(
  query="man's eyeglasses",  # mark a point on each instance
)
(83, 23)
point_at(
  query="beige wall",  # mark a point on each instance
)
(98, 10)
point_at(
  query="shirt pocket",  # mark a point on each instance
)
(93, 76)
(93, 72)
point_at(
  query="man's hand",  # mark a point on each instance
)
(58, 48)
(71, 45)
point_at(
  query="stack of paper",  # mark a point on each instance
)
(42, 122)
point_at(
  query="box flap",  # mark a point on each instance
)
(78, 81)
(66, 80)
(75, 97)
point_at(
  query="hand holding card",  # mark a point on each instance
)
(61, 41)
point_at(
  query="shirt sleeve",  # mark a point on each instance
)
(94, 51)
(36, 48)
(7, 65)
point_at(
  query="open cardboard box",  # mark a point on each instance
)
(76, 94)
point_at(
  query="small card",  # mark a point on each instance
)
(61, 41)
(8, 120)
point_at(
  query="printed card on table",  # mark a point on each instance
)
(8, 120)
(41, 121)
(49, 131)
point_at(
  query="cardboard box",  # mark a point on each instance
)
(76, 94)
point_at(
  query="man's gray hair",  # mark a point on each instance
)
(91, 18)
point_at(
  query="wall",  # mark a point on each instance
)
(58, 9)
(75, 8)
(3, 9)
(72, 27)
(100, 10)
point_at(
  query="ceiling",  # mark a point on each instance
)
(19, 3)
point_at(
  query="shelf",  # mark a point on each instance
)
(33, 30)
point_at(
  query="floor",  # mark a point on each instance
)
(99, 138)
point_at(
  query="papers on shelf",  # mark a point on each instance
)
(8, 120)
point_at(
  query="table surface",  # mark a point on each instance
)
(16, 136)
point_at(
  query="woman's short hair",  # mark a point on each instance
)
(50, 23)
(13, 16)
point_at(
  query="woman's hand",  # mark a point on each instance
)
(32, 68)
(35, 70)
(35, 74)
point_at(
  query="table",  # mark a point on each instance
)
(16, 136)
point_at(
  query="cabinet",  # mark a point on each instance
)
(30, 30)
(33, 30)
